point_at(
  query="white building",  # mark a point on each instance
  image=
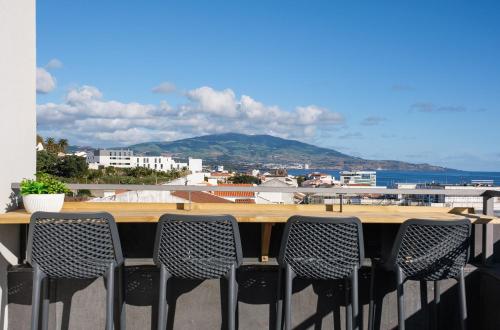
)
(116, 158)
(158, 163)
(195, 165)
(127, 159)
(276, 197)
(358, 178)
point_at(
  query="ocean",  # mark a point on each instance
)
(389, 178)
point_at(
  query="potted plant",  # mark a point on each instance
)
(43, 194)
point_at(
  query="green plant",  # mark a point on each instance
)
(44, 184)
(84, 193)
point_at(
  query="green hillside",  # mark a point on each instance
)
(241, 149)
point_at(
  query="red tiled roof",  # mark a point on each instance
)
(235, 193)
(200, 197)
(220, 174)
(245, 201)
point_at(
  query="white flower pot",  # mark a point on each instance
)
(43, 202)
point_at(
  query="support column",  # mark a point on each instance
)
(17, 121)
(488, 238)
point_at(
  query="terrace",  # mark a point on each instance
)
(318, 304)
(194, 304)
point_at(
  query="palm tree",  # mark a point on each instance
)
(63, 144)
(50, 144)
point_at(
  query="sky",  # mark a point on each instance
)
(416, 81)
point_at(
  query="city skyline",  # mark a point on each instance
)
(379, 81)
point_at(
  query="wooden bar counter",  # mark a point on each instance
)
(266, 214)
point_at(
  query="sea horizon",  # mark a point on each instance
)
(390, 177)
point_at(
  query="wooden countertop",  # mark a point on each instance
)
(259, 213)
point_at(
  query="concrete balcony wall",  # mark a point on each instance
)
(198, 305)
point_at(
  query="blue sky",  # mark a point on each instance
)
(409, 80)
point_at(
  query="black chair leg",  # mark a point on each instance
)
(231, 298)
(38, 277)
(463, 301)
(110, 296)
(45, 303)
(371, 306)
(122, 289)
(354, 298)
(289, 276)
(279, 300)
(423, 302)
(162, 303)
(348, 305)
(437, 301)
(400, 294)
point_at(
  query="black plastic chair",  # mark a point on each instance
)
(197, 247)
(321, 249)
(427, 250)
(73, 246)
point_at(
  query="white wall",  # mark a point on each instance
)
(18, 119)
(195, 165)
(17, 94)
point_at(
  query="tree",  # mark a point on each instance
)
(39, 139)
(62, 145)
(72, 167)
(244, 178)
(50, 145)
(110, 170)
(46, 162)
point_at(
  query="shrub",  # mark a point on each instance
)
(44, 184)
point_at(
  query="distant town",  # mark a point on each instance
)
(192, 171)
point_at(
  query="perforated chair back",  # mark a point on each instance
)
(431, 250)
(197, 247)
(73, 245)
(322, 248)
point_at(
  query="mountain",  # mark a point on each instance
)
(240, 150)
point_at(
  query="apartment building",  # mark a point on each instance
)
(123, 158)
(358, 178)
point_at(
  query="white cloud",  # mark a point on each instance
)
(86, 117)
(54, 64)
(207, 99)
(164, 88)
(45, 82)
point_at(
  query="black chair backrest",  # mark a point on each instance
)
(431, 250)
(73, 245)
(322, 248)
(196, 246)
